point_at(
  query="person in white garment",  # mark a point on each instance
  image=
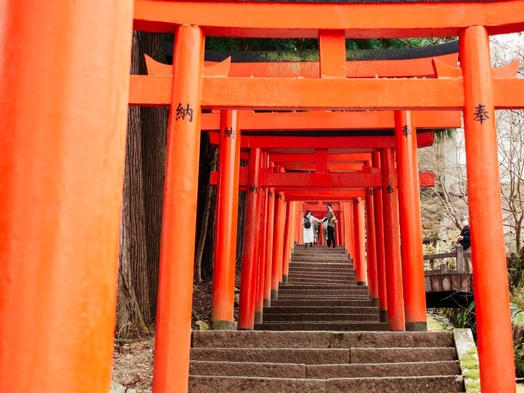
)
(309, 232)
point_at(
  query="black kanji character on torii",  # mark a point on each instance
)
(481, 113)
(253, 188)
(406, 130)
(182, 113)
(390, 189)
(229, 132)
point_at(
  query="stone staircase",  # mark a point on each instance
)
(322, 294)
(323, 335)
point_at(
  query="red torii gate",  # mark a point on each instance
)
(78, 106)
(223, 300)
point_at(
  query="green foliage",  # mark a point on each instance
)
(444, 134)
(462, 317)
(309, 44)
(260, 44)
(516, 271)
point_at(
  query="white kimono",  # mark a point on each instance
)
(309, 234)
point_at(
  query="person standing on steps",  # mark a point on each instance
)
(465, 241)
(309, 234)
(331, 219)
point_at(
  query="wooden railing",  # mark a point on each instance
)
(459, 255)
(456, 282)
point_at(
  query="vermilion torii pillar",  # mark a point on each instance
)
(278, 244)
(62, 139)
(288, 235)
(371, 248)
(270, 226)
(248, 283)
(177, 249)
(379, 241)
(396, 320)
(226, 225)
(261, 265)
(359, 230)
(410, 222)
(494, 333)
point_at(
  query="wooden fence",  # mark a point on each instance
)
(448, 280)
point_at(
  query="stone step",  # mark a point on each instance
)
(359, 302)
(402, 355)
(317, 286)
(440, 383)
(324, 291)
(298, 297)
(348, 275)
(320, 280)
(248, 369)
(319, 269)
(309, 287)
(277, 355)
(449, 367)
(324, 371)
(324, 339)
(320, 317)
(323, 325)
(320, 250)
(332, 263)
(314, 310)
(327, 260)
(215, 384)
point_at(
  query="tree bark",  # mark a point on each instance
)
(205, 222)
(142, 203)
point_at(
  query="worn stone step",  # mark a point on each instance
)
(320, 280)
(348, 276)
(322, 325)
(334, 263)
(322, 339)
(317, 286)
(298, 297)
(322, 302)
(321, 250)
(277, 355)
(324, 291)
(320, 317)
(213, 384)
(320, 310)
(326, 261)
(247, 369)
(440, 383)
(345, 275)
(402, 355)
(304, 268)
(326, 371)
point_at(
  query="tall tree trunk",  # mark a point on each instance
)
(205, 222)
(154, 138)
(142, 203)
(133, 296)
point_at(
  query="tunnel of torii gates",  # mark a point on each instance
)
(64, 112)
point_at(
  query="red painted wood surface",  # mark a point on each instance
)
(177, 249)
(494, 332)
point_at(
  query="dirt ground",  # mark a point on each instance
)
(133, 357)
